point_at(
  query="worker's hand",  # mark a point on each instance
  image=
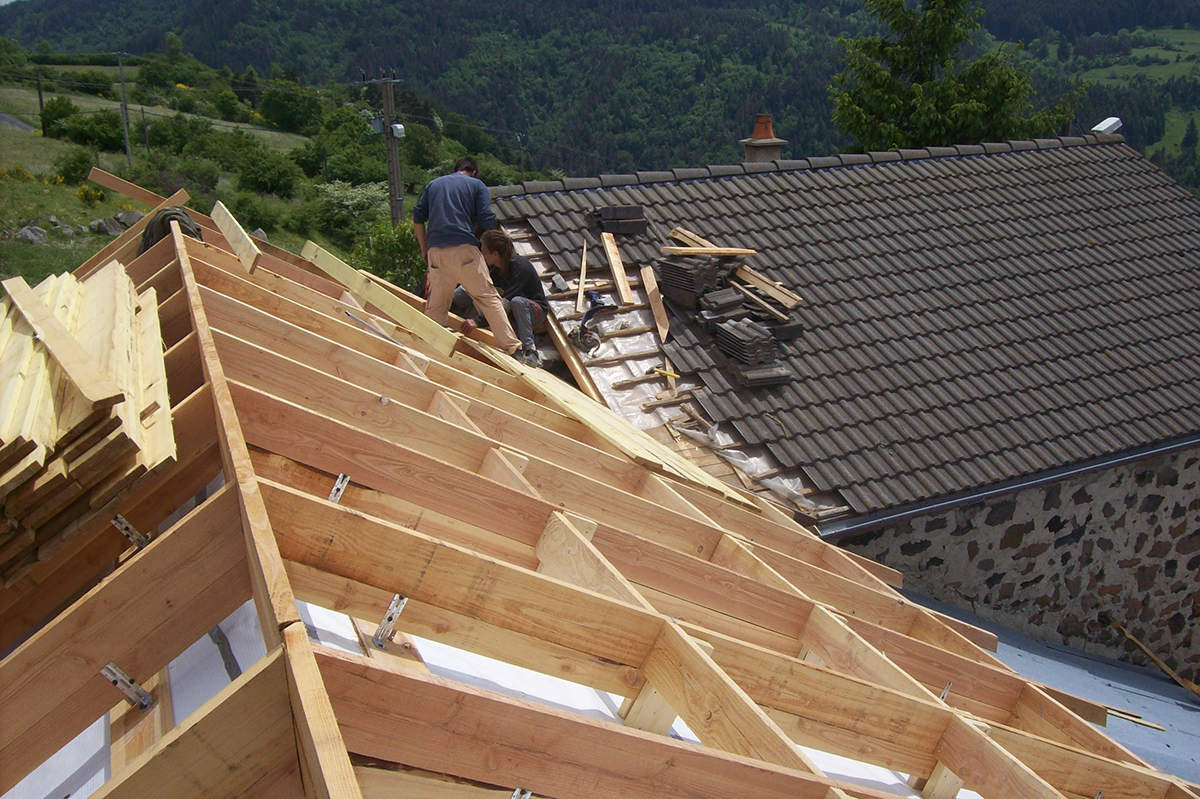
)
(467, 326)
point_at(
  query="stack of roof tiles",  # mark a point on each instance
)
(684, 280)
(722, 300)
(972, 314)
(748, 341)
(754, 351)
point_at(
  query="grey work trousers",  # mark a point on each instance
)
(525, 314)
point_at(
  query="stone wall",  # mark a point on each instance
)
(1056, 561)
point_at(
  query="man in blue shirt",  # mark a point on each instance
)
(454, 207)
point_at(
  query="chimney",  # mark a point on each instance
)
(762, 144)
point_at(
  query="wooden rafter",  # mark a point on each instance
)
(521, 527)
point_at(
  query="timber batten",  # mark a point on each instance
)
(523, 524)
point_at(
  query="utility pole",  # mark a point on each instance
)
(124, 110)
(391, 140)
(41, 105)
(145, 131)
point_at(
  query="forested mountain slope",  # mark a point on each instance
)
(605, 85)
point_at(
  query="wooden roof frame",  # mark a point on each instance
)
(520, 527)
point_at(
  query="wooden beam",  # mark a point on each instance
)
(772, 289)
(1077, 772)
(285, 471)
(832, 712)
(241, 243)
(760, 302)
(81, 369)
(140, 618)
(649, 711)
(441, 726)
(324, 342)
(571, 358)
(713, 706)
(464, 632)
(579, 307)
(689, 238)
(130, 190)
(133, 731)
(273, 600)
(387, 781)
(620, 279)
(324, 762)
(334, 447)
(566, 554)
(395, 308)
(719, 252)
(334, 538)
(661, 323)
(942, 783)
(233, 741)
(986, 768)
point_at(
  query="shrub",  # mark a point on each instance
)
(178, 132)
(100, 129)
(17, 173)
(227, 106)
(56, 110)
(344, 150)
(391, 253)
(90, 195)
(269, 173)
(232, 149)
(167, 174)
(91, 81)
(254, 212)
(343, 211)
(290, 107)
(73, 166)
(421, 146)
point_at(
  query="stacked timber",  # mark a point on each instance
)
(84, 409)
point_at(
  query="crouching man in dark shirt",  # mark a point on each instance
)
(520, 290)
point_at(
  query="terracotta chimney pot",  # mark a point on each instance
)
(763, 129)
(762, 144)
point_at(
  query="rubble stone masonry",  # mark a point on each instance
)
(1056, 561)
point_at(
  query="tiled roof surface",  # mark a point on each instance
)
(972, 314)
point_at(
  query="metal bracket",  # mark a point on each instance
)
(129, 531)
(339, 486)
(134, 693)
(384, 633)
(946, 691)
(521, 794)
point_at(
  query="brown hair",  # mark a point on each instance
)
(467, 164)
(497, 241)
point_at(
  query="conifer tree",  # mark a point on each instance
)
(1190, 137)
(912, 88)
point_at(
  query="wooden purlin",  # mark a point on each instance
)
(518, 532)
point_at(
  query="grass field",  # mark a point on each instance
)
(1185, 42)
(32, 203)
(1177, 122)
(22, 103)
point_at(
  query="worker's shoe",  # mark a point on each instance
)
(529, 357)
